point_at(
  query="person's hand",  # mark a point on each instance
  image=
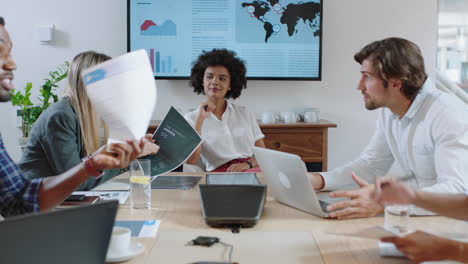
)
(360, 204)
(390, 191)
(238, 167)
(316, 180)
(118, 155)
(149, 147)
(420, 246)
(206, 108)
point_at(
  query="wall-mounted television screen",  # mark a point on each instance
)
(278, 39)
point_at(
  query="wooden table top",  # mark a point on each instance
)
(180, 210)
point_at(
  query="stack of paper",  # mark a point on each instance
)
(123, 92)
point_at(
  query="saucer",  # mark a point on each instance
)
(135, 249)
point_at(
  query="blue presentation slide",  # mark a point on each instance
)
(278, 39)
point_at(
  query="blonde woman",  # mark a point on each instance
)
(69, 130)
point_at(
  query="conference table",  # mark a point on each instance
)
(283, 234)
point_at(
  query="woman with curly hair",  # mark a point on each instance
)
(229, 131)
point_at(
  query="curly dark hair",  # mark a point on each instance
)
(220, 57)
(396, 58)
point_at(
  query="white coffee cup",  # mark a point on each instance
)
(269, 118)
(120, 239)
(289, 117)
(312, 115)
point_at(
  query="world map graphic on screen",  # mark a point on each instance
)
(273, 16)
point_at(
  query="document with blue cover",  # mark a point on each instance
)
(177, 140)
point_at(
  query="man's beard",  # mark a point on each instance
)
(371, 105)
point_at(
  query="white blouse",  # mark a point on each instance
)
(230, 138)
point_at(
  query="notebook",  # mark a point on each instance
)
(75, 235)
(107, 195)
(87, 200)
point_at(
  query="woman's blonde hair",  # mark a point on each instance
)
(75, 91)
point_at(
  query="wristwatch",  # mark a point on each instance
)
(250, 163)
(90, 168)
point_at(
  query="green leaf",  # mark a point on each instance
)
(30, 112)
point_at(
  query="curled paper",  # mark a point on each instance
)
(123, 92)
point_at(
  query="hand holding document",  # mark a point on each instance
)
(123, 92)
(177, 140)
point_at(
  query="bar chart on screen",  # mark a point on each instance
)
(160, 63)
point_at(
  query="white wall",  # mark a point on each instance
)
(348, 26)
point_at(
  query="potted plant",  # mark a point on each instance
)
(30, 111)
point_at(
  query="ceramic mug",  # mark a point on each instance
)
(120, 239)
(289, 117)
(312, 115)
(269, 118)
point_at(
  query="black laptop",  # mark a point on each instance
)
(232, 204)
(76, 235)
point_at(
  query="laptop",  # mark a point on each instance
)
(286, 177)
(77, 235)
(232, 205)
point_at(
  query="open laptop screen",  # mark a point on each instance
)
(76, 235)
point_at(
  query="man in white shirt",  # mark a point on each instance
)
(420, 127)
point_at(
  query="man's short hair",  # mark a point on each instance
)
(2, 21)
(396, 58)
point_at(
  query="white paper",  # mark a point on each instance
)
(389, 250)
(374, 232)
(149, 229)
(123, 93)
(141, 228)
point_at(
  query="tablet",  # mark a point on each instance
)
(175, 182)
(232, 178)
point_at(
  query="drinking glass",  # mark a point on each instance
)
(397, 218)
(140, 183)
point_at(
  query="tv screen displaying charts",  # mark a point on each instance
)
(277, 39)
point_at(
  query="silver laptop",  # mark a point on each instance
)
(286, 178)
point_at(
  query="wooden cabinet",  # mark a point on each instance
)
(308, 140)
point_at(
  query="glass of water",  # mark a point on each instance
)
(397, 218)
(140, 183)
